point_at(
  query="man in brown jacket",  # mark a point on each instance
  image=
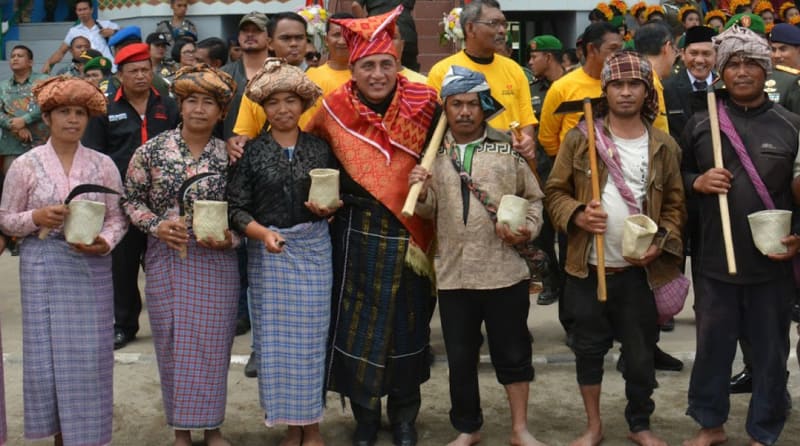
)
(481, 278)
(639, 173)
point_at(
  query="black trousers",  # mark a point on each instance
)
(126, 258)
(629, 315)
(505, 313)
(760, 314)
(400, 407)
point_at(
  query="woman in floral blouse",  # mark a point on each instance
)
(193, 300)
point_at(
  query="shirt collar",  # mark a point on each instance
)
(692, 78)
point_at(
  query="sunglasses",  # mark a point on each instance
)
(311, 55)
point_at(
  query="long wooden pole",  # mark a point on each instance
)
(599, 242)
(426, 162)
(724, 213)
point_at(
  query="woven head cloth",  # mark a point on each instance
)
(204, 79)
(742, 41)
(459, 80)
(370, 35)
(64, 90)
(277, 76)
(629, 65)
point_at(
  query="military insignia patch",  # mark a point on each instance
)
(745, 21)
(770, 83)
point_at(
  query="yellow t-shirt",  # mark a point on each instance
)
(251, 117)
(413, 76)
(575, 85)
(507, 83)
(661, 119)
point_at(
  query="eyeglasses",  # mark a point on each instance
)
(311, 55)
(187, 52)
(493, 23)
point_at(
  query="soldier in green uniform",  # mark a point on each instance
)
(545, 64)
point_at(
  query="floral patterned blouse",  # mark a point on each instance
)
(37, 179)
(156, 172)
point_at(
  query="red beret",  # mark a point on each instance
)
(135, 52)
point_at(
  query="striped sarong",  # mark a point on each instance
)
(290, 299)
(67, 342)
(380, 330)
(192, 305)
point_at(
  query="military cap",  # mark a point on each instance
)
(747, 20)
(126, 34)
(184, 34)
(157, 39)
(98, 63)
(136, 52)
(545, 42)
(257, 18)
(785, 33)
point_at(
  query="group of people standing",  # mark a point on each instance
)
(341, 295)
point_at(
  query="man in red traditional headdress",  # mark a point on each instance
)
(376, 125)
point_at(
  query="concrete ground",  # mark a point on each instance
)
(555, 408)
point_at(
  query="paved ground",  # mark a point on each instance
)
(556, 413)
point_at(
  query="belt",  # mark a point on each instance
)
(611, 270)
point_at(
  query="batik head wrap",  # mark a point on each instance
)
(64, 90)
(371, 35)
(277, 76)
(629, 65)
(459, 80)
(742, 41)
(204, 79)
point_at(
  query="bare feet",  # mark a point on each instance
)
(524, 438)
(294, 436)
(592, 437)
(466, 439)
(312, 436)
(646, 438)
(214, 437)
(183, 438)
(707, 437)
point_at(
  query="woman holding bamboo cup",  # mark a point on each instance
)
(192, 285)
(67, 297)
(289, 257)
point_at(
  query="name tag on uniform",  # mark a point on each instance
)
(117, 117)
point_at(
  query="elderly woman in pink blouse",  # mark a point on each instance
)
(67, 297)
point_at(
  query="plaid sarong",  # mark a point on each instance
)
(67, 342)
(381, 307)
(192, 305)
(290, 310)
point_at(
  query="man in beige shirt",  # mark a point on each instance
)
(480, 276)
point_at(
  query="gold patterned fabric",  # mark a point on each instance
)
(204, 79)
(277, 76)
(67, 90)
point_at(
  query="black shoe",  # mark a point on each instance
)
(251, 368)
(548, 296)
(121, 339)
(242, 326)
(365, 435)
(668, 326)
(665, 361)
(796, 312)
(404, 434)
(742, 382)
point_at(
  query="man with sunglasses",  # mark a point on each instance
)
(484, 27)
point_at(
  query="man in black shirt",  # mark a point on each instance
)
(136, 113)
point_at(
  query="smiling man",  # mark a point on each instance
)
(376, 125)
(759, 144)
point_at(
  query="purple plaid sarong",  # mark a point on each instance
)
(67, 342)
(192, 305)
(290, 305)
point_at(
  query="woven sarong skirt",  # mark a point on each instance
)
(192, 304)
(290, 300)
(67, 342)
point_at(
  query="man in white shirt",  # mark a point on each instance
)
(97, 31)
